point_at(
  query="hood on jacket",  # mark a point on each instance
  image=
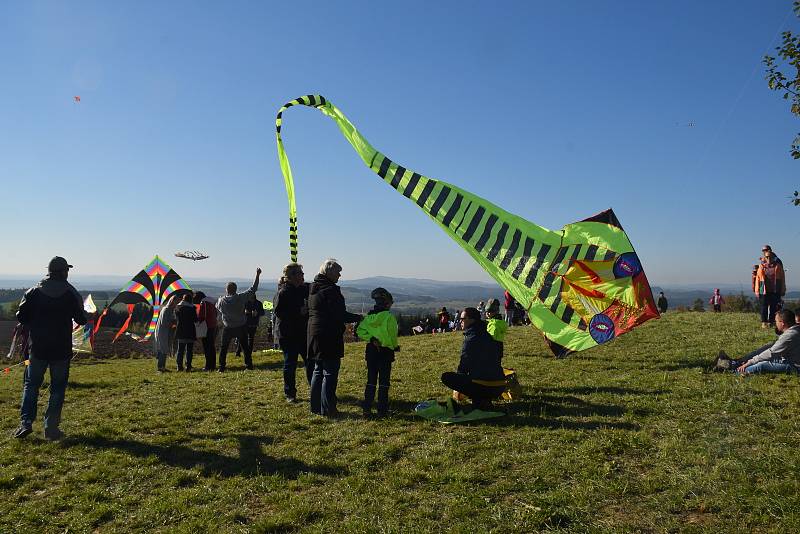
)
(54, 287)
(320, 282)
(477, 328)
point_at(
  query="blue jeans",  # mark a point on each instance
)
(379, 373)
(770, 367)
(185, 347)
(34, 375)
(323, 386)
(290, 371)
(161, 360)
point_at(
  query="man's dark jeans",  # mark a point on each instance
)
(34, 375)
(185, 348)
(323, 386)
(769, 305)
(290, 371)
(251, 339)
(228, 334)
(379, 373)
(209, 350)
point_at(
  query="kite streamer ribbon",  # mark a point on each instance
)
(582, 286)
(126, 324)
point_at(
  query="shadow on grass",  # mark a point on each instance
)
(90, 385)
(543, 411)
(697, 362)
(251, 461)
(552, 412)
(269, 366)
(587, 390)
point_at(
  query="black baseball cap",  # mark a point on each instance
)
(58, 264)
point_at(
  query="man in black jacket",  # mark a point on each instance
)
(480, 375)
(48, 311)
(291, 326)
(327, 316)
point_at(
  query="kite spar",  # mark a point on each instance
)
(581, 286)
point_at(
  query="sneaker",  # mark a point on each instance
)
(221, 370)
(22, 431)
(248, 368)
(291, 400)
(53, 434)
(180, 369)
(723, 362)
(189, 369)
(162, 369)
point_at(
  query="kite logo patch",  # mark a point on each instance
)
(627, 265)
(601, 328)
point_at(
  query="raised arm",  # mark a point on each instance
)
(255, 282)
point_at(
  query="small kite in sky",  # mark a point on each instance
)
(192, 255)
(76, 99)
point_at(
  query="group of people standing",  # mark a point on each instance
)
(196, 316)
(310, 321)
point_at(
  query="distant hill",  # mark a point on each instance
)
(409, 293)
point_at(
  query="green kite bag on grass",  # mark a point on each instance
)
(433, 411)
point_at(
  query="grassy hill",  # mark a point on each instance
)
(633, 436)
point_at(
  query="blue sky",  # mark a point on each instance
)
(552, 110)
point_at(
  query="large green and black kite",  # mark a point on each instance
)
(581, 286)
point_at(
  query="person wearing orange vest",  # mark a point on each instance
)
(770, 286)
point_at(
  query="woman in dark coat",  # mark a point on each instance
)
(291, 326)
(186, 316)
(327, 317)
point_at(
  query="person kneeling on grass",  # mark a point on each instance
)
(782, 356)
(480, 375)
(379, 330)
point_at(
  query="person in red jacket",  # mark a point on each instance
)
(510, 307)
(716, 301)
(207, 313)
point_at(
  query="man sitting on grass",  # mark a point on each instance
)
(480, 375)
(782, 356)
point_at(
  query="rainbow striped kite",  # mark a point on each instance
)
(153, 285)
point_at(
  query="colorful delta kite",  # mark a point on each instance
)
(581, 286)
(153, 285)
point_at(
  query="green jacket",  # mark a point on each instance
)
(497, 329)
(381, 326)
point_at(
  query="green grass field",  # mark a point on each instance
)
(633, 436)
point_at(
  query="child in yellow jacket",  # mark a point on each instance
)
(379, 330)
